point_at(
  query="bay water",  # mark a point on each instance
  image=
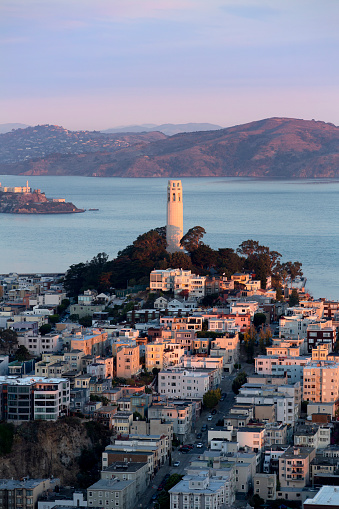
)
(298, 218)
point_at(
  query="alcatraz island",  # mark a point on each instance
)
(25, 200)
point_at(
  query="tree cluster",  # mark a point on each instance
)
(148, 252)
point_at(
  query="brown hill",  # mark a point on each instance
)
(275, 147)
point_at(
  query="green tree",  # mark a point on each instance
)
(239, 380)
(74, 317)
(45, 329)
(8, 341)
(250, 336)
(192, 239)
(204, 257)
(54, 318)
(293, 299)
(22, 354)
(211, 398)
(259, 319)
(86, 321)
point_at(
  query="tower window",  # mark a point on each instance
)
(179, 197)
(173, 196)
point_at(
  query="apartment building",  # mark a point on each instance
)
(227, 347)
(38, 345)
(128, 361)
(91, 343)
(183, 384)
(251, 437)
(23, 493)
(276, 434)
(199, 491)
(285, 398)
(265, 485)
(321, 332)
(161, 355)
(178, 280)
(280, 365)
(178, 414)
(24, 399)
(294, 467)
(321, 381)
(131, 471)
(112, 493)
(318, 437)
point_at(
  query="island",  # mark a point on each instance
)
(25, 200)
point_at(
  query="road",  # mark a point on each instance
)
(222, 408)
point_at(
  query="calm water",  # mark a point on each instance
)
(298, 218)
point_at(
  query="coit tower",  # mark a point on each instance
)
(174, 226)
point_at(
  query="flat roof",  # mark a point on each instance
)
(326, 496)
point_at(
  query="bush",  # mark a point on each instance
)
(6, 438)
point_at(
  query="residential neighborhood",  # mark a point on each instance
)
(238, 400)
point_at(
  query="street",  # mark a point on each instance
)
(222, 409)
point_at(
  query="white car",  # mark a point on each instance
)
(210, 417)
(176, 463)
(200, 445)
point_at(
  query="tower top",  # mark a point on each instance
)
(174, 184)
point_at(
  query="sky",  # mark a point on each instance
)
(97, 64)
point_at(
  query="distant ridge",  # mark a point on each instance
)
(6, 128)
(168, 129)
(272, 148)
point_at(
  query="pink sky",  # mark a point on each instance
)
(88, 64)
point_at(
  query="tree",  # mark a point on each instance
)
(53, 318)
(8, 341)
(86, 321)
(179, 259)
(211, 398)
(192, 239)
(250, 336)
(74, 317)
(293, 299)
(22, 354)
(45, 329)
(259, 319)
(239, 380)
(210, 300)
(204, 257)
(265, 338)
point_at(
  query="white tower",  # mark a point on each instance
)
(174, 227)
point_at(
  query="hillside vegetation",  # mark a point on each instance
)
(274, 147)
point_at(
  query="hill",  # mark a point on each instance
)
(275, 147)
(43, 140)
(168, 129)
(6, 128)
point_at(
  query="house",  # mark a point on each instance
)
(128, 361)
(112, 493)
(294, 467)
(133, 471)
(202, 490)
(265, 485)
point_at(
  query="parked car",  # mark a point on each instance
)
(176, 463)
(213, 411)
(204, 427)
(199, 445)
(199, 435)
(154, 496)
(210, 417)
